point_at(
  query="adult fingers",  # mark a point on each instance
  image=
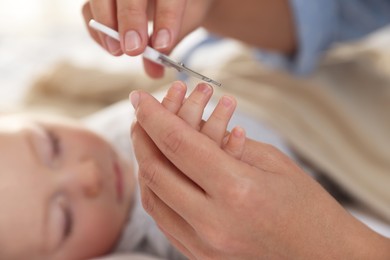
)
(167, 21)
(157, 173)
(193, 153)
(178, 231)
(192, 239)
(132, 25)
(87, 14)
(176, 243)
(168, 17)
(104, 11)
(154, 70)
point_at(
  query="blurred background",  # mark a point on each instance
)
(39, 35)
(36, 35)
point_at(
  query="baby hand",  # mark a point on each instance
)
(215, 127)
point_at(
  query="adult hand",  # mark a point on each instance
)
(213, 206)
(172, 20)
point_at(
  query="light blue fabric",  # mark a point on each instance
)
(320, 23)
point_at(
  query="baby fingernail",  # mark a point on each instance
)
(204, 88)
(226, 101)
(238, 132)
(177, 88)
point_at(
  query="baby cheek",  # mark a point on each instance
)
(97, 235)
(85, 140)
(91, 140)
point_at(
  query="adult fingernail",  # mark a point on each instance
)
(113, 45)
(134, 99)
(132, 41)
(163, 39)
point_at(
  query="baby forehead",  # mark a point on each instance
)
(15, 147)
(22, 120)
(16, 125)
(23, 127)
(19, 172)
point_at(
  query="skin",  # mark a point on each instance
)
(60, 202)
(190, 110)
(259, 205)
(73, 208)
(175, 19)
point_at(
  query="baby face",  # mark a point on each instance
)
(64, 193)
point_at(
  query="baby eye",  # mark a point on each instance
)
(60, 222)
(55, 143)
(68, 221)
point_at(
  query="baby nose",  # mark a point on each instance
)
(90, 178)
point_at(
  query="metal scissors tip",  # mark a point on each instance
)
(155, 55)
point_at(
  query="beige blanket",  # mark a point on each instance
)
(77, 91)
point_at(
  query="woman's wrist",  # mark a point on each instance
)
(364, 243)
(375, 246)
(264, 24)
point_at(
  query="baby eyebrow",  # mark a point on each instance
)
(35, 130)
(31, 147)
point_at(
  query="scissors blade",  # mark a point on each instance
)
(154, 55)
(179, 66)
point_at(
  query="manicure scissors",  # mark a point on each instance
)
(154, 55)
